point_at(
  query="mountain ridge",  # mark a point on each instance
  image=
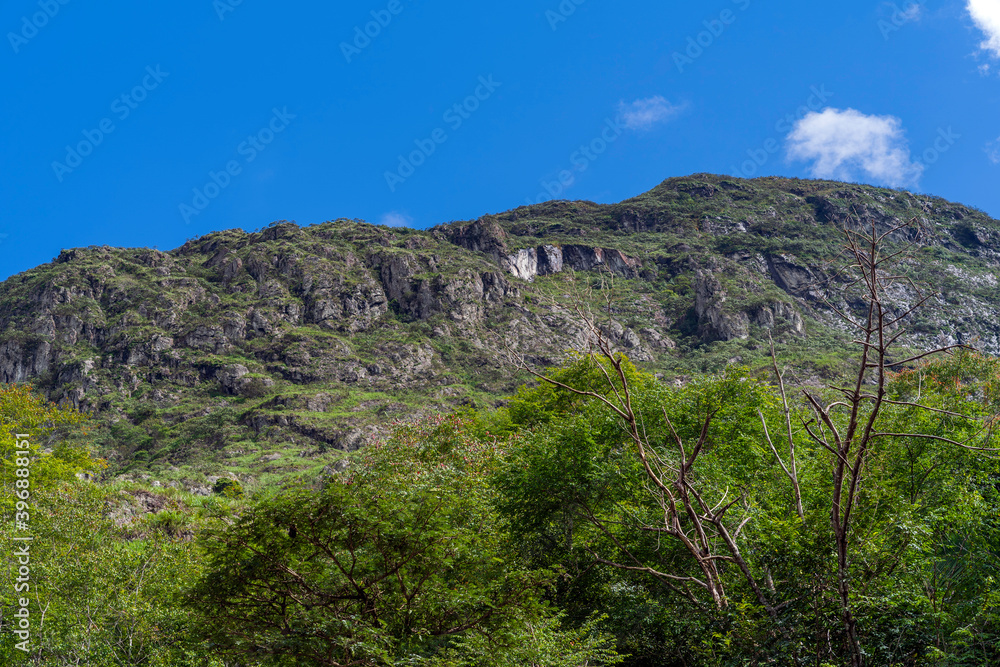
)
(301, 342)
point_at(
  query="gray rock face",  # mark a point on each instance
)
(720, 321)
(795, 278)
(300, 318)
(548, 259)
(351, 311)
(210, 338)
(464, 297)
(524, 264)
(484, 235)
(715, 321)
(19, 362)
(777, 314)
(541, 261)
(231, 377)
(629, 341)
(585, 258)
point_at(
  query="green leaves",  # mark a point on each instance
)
(924, 543)
(399, 561)
(97, 597)
(531, 535)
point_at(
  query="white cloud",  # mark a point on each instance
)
(643, 114)
(986, 14)
(840, 143)
(395, 219)
(992, 149)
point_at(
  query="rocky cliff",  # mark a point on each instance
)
(290, 342)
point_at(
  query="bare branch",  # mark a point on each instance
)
(927, 354)
(926, 436)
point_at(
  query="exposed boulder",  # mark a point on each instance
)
(778, 314)
(485, 235)
(351, 310)
(714, 320)
(20, 362)
(586, 258)
(795, 277)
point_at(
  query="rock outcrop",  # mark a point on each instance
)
(313, 338)
(548, 259)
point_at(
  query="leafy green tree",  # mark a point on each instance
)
(398, 561)
(733, 500)
(98, 595)
(103, 597)
(927, 538)
(924, 552)
(42, 425)
(652, 498)
(229, 488)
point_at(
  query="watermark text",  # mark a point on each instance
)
(562, 13)
(365, 35)
(454, 118)
(30, 25)
(22, 542)
(714, 29)
(759, 156)
(249, 149)
(121, 108)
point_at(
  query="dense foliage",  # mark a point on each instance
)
(537, 534)
(925, 551)
(397, 562)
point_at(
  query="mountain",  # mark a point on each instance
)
(268, 353)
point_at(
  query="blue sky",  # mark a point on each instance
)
(145, 124)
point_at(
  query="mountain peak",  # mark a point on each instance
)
(312, 336)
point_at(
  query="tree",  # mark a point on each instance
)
(714, 537)
(677, 496)
(849, 428)
(42, 425)
(399, 560)
(97, 596)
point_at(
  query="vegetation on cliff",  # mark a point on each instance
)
(527, 535)
(258, 355)
(321, 446)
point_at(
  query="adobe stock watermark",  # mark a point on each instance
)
(562, 13)
(946, 138)
(714, 28)
(30, 25)
(580, 159)
(454, 118)
(760, 155)
(249, 150)
(121, 108)
(3, 237)
(366, 35)
(899, 18)
(223, 7)
(21, 542)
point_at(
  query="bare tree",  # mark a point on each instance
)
(696, 523)
(790, 469)
(848, 428)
